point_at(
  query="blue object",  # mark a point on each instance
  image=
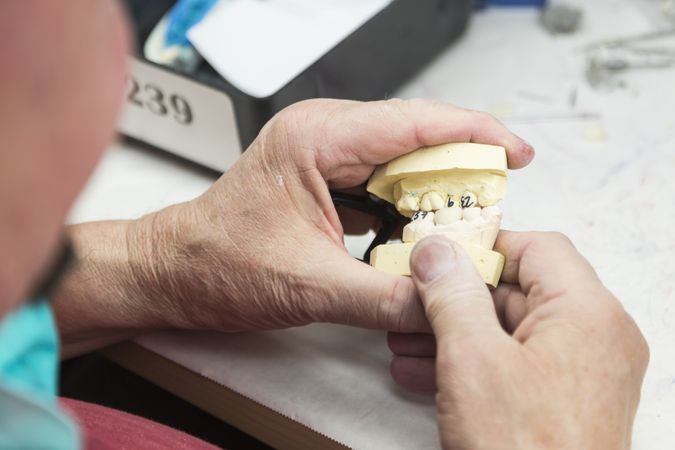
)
(29, 355)
(184, 15)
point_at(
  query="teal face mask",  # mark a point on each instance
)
(29, 354)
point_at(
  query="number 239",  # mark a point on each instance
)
(152, 97)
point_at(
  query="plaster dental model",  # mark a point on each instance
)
(449, 189)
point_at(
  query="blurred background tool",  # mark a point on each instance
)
(561, 18)
(168, 43)
(262, 56)
(606, 59)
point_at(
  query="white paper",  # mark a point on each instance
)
(333, 379)
(261, 45)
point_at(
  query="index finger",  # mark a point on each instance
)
(372, 133)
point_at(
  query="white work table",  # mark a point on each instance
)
(603, 175)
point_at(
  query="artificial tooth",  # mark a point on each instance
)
(469, 199)
(432, 201)
(447, 216)
(425, 204)
(492, 214)
(461, 225)
(408, 202)
(423, 216)
(472, 214)
(417, 229)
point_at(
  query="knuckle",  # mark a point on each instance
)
(394, 108)
(396, 103)
(302, 107)
(643, 352)
(444, 299)
(556, 237)
(291, 115)
(412, 105)
(637, 345)
(484, 119)
(298, 115)
(396, 112)
(296, 129)
(277, 127)
(625, 331)
(548, 240)
(438, 310)
(431, 103)
(640, 350)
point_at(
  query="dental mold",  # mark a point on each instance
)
(452, 190)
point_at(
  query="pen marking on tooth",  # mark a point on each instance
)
(419, 215)
(468, 201)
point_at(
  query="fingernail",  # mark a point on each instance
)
(432, 259)
(528, 152)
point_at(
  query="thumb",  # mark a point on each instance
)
(456, 300)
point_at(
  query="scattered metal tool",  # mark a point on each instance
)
(607, 58)
(561, 18)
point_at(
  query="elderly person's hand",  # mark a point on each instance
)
(263, 248)
(550, 360)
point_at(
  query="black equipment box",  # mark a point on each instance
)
(204, 118)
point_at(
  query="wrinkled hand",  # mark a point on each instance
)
(263, 248)
(550, 360)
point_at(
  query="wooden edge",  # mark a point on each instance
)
(251, 417)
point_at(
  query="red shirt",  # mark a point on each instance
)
(105, 428)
